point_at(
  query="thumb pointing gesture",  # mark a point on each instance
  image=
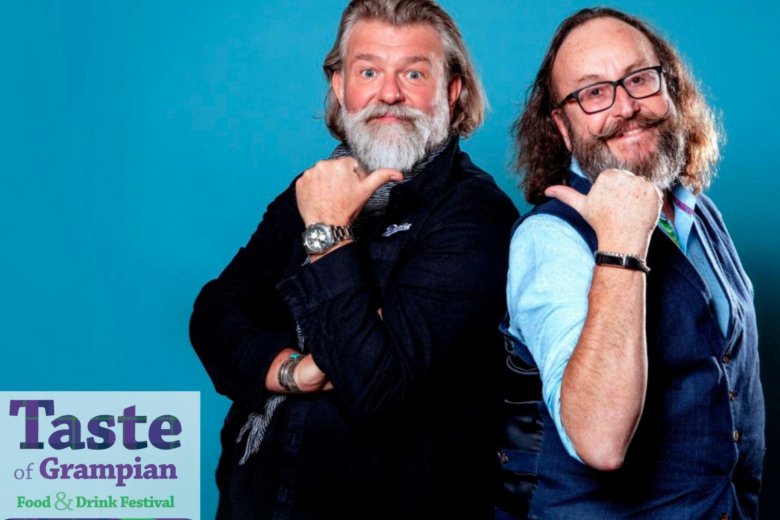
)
(334, 191)
(568, 196)
(377, 178)
(622, 208)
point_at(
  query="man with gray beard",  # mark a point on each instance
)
(356, 333)
(634, 389)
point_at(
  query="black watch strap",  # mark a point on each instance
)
(625, 261)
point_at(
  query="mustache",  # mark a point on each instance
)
(381, 109)
(640, 120)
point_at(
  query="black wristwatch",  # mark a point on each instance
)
(623, 260)
(319, 237)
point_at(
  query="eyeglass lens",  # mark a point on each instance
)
(600, 96)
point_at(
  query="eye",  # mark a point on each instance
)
(414, 75)
(594, 92)
(368, 73)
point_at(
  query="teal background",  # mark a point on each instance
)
(140, 142)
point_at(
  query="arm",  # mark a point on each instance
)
(550, 272)
(447, 287)
(604, 384)
(240, 325)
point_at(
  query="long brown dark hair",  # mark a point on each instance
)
(541, 153)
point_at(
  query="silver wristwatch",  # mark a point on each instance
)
(319, 237)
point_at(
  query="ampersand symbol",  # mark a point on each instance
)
(62, 502)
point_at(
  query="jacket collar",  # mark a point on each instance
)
(429, 181)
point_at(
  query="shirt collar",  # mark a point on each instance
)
(684, 204)
(576, 168)
(430, 174)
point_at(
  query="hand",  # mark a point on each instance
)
(334, 191)
(621, 207)
(309, 377)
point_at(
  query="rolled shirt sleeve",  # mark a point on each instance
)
(550, 272)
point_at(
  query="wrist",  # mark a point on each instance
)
(637, 247)
(319, 238)
(622, 260)
(314, 257)
(286, 374)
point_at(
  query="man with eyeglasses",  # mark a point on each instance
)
(634, 385)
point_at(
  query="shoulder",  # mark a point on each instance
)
(284, 203)
(711, 218)
(280, 219)
(553, 208)
(469, 186)
(547, 240)
(545, 227)
(707, 207)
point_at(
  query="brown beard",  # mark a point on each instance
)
(662, 168)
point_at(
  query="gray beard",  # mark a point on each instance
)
(398, 145)
(662, 168)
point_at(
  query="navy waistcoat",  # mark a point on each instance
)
(699, 447)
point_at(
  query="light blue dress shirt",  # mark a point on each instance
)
(550, 271)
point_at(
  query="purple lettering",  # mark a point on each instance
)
(101, 432)
(157, 430)
(31, 420)
(68, 437)
(128, 420)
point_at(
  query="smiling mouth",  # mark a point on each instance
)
(388, 118)
(631, 132)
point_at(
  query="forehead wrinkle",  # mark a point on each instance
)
(366, 56)
(627, 70)
(380, 37)
(608, 39)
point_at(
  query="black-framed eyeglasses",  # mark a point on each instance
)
(601, 96)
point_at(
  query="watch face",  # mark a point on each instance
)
(317, 238)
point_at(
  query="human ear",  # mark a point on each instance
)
(453, 90)
(335, 85)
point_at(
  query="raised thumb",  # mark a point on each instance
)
(379, 177)
(568, 196)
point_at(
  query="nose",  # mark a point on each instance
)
(390, 92)
(625, 106)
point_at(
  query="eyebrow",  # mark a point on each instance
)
(638, 64)
(404, 61)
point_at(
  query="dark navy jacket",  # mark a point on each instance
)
(699, 447)
(406, 432)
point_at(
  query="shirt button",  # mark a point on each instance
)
(724, 516)
(735, 436)
(733, 394)
(725, 359)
